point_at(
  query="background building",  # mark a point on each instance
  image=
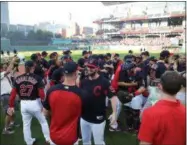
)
(4, 18)
(72, 30)
(86, 31)
(51, 26)
(5, 13)
(142, 18)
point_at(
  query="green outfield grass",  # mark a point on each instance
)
(76, 54)
(111, 138)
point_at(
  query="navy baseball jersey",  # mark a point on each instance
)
(27, 86)
(94, 105)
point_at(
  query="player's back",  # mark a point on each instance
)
(27, 85)
(65, 105)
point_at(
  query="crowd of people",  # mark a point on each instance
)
(149, 91)
(137, 42)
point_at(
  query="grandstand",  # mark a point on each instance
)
(144, 23)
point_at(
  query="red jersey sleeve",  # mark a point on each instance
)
(148, 127)
(41, 93)
(12, 97)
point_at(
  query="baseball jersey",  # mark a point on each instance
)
(81, 62)
(94, 104)
(65, 104)
(27, 86)
(160, 69)
(44, 63)
(39, 70)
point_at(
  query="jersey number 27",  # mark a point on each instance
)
(26, 90)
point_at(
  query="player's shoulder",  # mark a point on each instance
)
(103, 79)
(54, 88)
(76, 90)
(35, 76)
(61, 87)
(84, 81)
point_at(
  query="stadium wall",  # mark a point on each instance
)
(121, 48)
(35, 48)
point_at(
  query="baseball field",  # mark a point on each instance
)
(111, 138)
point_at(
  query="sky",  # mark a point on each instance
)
(30, 13)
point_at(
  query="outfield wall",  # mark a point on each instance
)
(153, 49)
(35, 48)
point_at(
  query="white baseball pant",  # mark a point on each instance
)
(88, 128)
(30, 108)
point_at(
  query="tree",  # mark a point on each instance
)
(58, 35)
(31, 35)
(15, 36)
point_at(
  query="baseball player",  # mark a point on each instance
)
(29, 87)
(93, 118)
(64, 101)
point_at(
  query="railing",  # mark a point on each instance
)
(163, 29)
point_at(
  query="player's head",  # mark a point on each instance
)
(58, 75)
(170, 83)
(70, 71)
(138, 58)
(67, 52)
(130, 52)
(53, 55)
(145, 54)
(116, 57)
(93, 65)
(39, 56)
(85, 54)
(108, 56)
(164, 55)
(44, 54)
(66, 58)
(152, 60)
(128, 59)
(34, 57)
(29, 66)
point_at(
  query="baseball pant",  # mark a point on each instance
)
(138, 101)
(29, 109)
(88, 128)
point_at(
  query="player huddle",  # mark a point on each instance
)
(75, 95)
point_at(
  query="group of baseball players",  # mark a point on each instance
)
(75, 95)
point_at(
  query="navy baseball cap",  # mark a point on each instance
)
(29, 63)
(67, 51)
(70, 67)
(93, 61)
(116, 55)
(66, 57)
(34, 57)
(130, 51)
(44, 53)
(128, 66)
(165, 53)
(128, 58)
(108, 54)
(85, 52)
(146, 53)
(57, 74)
